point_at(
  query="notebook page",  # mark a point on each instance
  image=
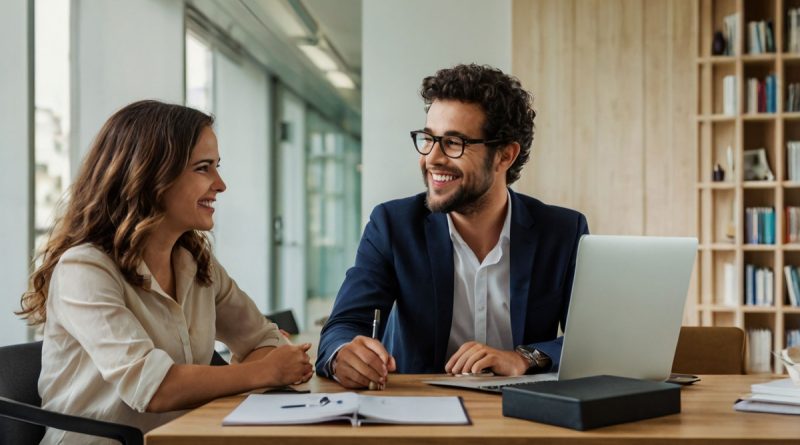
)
(413, 410)
(268, 409)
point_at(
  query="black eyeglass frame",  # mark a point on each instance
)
(438, 139)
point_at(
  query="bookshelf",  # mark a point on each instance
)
(726, 247)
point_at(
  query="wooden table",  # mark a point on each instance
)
(707, 416)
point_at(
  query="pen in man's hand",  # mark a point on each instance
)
(376, 323)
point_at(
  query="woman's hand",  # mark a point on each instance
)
(286, 365)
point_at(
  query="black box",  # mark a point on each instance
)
(591, 402)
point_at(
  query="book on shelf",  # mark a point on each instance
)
(759, 35)
(761, 95)
(292, 409)
(760, 225)
(770, 91)
(729, 285)
(792, 337)
(793, 160)
(729, 29)
(759, 286)
(729, 95)
(793, 30)
(792, 284)
(792, 224)
(793, 97)
(760, 351)
(776, 396)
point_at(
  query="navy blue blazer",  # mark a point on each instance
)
(404, 265)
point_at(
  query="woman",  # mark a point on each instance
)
(129, 293)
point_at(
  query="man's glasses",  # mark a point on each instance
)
(451, 146)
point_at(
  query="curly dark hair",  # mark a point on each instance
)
(508, 107)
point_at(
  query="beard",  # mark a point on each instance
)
(468, 198)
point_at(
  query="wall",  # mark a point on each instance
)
(242, 221)
(615, 90)
(404, 41)
(15, 84)
(122, 52)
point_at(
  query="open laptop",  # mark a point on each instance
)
(624, 315)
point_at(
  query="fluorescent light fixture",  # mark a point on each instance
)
(340, 80)
(319, 57)
(287, 20)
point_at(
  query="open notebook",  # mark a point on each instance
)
(286, 409)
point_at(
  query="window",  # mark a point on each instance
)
(199, 74)
(52, 103)
(333, 187)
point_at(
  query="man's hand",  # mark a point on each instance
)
(361, 361)
(475, 357)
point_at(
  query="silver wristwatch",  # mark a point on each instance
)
(536, 358)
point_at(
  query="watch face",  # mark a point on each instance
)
(525, 349)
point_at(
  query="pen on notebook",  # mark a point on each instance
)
(376, 323)
(322, 402)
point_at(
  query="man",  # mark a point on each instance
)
(476, 276)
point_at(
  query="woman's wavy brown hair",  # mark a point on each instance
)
(117, 199)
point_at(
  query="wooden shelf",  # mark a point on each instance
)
(759, 247)
(759, 184)
(717, 118)
(759, 309)
(743, 131)
(718, 308)
(720, 60)
(718, 246)
(722, 185)
(759, 58)
(760, 116)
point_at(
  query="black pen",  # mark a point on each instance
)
(376, 323)
(302, 405)
(322, 402)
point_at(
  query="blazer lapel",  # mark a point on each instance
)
(440, 255)
(523, 250)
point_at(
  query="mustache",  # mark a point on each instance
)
(442, 170)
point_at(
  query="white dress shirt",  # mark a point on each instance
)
(108, 345)
(481, 292)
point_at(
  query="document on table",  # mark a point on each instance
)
(287, 409)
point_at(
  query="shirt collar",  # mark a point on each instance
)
(185, 270)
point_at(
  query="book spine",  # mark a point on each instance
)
(771, 93)
(796, 284)
(787, 273)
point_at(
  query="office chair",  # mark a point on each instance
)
(709, 350)
(23, 421)
(285, 320)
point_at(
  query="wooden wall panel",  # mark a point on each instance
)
(614, 89)
(548, 61)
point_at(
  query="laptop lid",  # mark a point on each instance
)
(627, 304)
(625, 311)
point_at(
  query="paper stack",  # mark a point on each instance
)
(776, 396)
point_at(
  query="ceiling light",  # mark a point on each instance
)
(320, 58)
(287, 20)
(340, 80)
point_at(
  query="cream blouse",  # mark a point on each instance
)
(108, 345)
